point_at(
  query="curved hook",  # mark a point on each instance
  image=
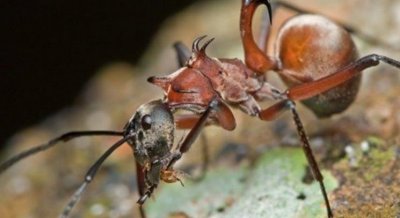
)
(195, 46)
(203, 48)
(258, 2)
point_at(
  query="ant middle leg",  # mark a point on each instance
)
(221, 115)
(186, 144)
(206, 158)
(182, 53)
(141, 186)
(188, 122)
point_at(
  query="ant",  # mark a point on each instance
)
(315, 57)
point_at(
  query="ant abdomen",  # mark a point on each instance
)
(311, 47)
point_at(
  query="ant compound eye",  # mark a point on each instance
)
(146, 122)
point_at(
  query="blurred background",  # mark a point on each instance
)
(84, 66)
(49, 50)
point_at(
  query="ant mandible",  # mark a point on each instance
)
(315, 57)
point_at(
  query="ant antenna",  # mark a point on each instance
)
(90, 175)
(64, 137)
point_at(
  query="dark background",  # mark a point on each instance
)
(49, 49)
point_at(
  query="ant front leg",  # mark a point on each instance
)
(141, 186)
(224, 118)
(213, 109)
(189, 121)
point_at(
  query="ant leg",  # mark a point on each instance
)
(255, 58)
(223, 116)
(140, 186)
(64, 137)
(186, 143)
(186, 121)
(222, 113)
(271, 113)
(206, 160)
(183, 53)
(194, 133)
(214, 105)
(313, 88)
(90, 175)
(310, 156)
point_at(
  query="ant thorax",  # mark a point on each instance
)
(204, 78)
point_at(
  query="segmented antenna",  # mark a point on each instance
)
(64, 137)
(90, 175)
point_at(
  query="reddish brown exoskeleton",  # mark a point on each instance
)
(314, 56)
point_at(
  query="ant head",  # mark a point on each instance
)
(154, 126)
